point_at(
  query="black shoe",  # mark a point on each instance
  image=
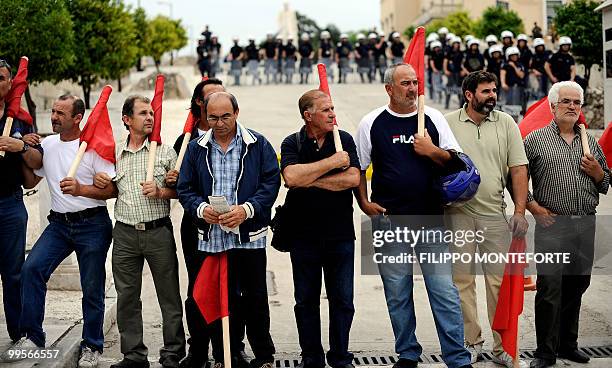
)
(129, 363)
(262, 363)
(191, 361)
(169, 361)
(405, 363)
(574, 355)
(541, 363)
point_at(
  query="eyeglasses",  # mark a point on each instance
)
(226, 118)
(566, 102)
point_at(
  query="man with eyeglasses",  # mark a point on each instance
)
(22, 150)
(143, 232)
(240, 165)
(566, 187)
(492, 140)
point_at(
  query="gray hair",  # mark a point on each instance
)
(553, 94)
(388, 76)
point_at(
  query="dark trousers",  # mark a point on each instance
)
(335, 259)
(248, 305)
(199, 338)
(12, 255)
(560, 286)
(90, 239)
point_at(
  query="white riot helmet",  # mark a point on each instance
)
(450, 36)
(443, 30)
(251, 38)
(473, 41)
(235, 39)
(381, 34)
(325, 35)
(506, 34)
(496, 48)
(432, 37)
(361, 36)
(305, 36)
(491, 38)
(467, 38)
(456, 39)
(395, 35)
(539, 42)
(512, 50)
(564, 40)
(435, 44)
(372, 36)
(522, 37)
(343, 35)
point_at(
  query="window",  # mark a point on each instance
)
(609, 64)
(551, 7)
(608, 34)
(502, 4)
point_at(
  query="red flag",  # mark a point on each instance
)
(510, 300)
(415, 56)
(24, 116)
(157, 109)
(189, 123)
(324, 83)
(210, 288)
(538, 116)
(98, 132)
(13, 98)
(606, 143)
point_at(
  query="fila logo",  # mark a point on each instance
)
(402, 139)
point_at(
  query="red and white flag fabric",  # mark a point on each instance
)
(18, 87)
(210, 288)
(156, 104)
(510, 300)
(415, 56)
(538, 116)
(98, 132)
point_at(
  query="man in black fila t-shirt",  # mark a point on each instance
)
(406, 169)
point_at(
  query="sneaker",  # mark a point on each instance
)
(504, 359)
(16, 352)
(218, 365)
(89, 358)
(405, 363)
(475, 352)
(129, 363)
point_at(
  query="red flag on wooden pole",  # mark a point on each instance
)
(538, 116)
(415, 56)
(18, 87)
(98, 132)
(324, 87)
(210, 288)
(156, 103)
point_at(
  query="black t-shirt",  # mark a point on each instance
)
(305, 49)
(363, 50)
(326, 49)
(381, 51)
(236, 51)
(252, 52)
(290, 51)
(525, 57)
(539, 59)
(511, 78)
(10, 165)
(318, 213)
(438, 59)
(455, 58)
(397, 49)
(474, 61)
(270, 47)
(494, 66)
(561, 65)
(344, 49)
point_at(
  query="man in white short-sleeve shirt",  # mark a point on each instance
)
(78, 222)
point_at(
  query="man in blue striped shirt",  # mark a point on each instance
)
(240, 165)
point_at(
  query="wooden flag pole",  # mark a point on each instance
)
(77, 160)
(421, 115)
(151, 161)
(227, 355)
(586, 150)
(337, 142)
(8, 125)
(182, 151)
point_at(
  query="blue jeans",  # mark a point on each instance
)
(443, 297)
(90, 238)
(12, 255)
(336, 260)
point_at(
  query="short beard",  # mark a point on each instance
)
(482, 107)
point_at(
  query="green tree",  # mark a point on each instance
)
(409, 32)
(162, 38)
(180, 38)
(41, 30)
(140, 20)
(307, 24)
(459, 23)
(105, 42)
(579, 21)
(496, 19)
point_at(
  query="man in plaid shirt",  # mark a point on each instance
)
(240, 165)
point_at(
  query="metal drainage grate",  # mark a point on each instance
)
(383, 360)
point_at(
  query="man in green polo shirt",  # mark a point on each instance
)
(492, 140)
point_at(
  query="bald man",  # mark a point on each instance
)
(241, 166)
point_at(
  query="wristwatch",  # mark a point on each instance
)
(25, 148)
